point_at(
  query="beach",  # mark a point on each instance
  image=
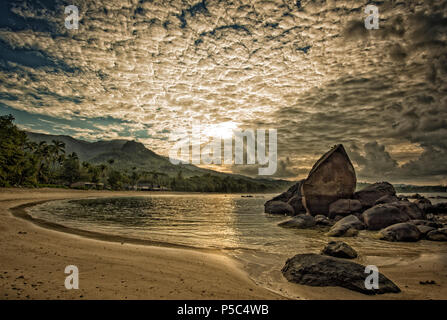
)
(34, 255)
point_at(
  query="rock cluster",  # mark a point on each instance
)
(327, 199)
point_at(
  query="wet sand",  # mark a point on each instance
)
(34, 254)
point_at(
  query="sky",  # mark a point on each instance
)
(141, 70)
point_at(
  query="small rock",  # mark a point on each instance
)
(278, 207)
(322, 220)
(347, 227)
(300, 222)
(437, 235)
(401, 232)
(339, 249)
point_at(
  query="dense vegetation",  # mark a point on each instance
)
(32, 164)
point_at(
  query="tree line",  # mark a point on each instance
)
(30, 164)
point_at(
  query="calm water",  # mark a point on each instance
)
(235, 224)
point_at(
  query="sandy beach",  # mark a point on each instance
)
(34, 255)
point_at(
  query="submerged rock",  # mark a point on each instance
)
(382, 216)
(370, 194)
(401, 232)
(347, 227)
(332, 177)
(339, 249)
(438, 235)
(322, 271)
(278, 207)
(300, 222)
(344, 207)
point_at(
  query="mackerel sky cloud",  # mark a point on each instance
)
(310, 69)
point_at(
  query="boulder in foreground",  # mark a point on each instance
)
(321, 271)
(339, 249)
(332, 177)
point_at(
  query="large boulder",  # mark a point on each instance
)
(332, 177)
(347, 227)
(322, 271)
(438, 235)
(339, 249)
(299, 222)
(279, 207)
(382, 216)
(344, 207)
(370, 194)
(292, 196)
(401, 232)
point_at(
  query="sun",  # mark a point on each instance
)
(223, 130)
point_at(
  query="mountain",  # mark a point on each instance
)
(129, 154)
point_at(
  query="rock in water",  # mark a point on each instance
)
(278, 207)
(401, 232)
(332, 177)
(322, 271)
(382, 216)
(339, 249)
(299, 222)
(370, 194)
